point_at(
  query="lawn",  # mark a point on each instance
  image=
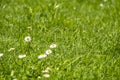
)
(59, 40)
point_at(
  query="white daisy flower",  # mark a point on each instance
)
(15, 79)
(48, 68)
(53, 46)
(42, 56)
(27, 39)
(101, 5)
(11, 49)
(39, 77)
(45, 71)
(48, 52)
(105, 0)
(22, 56)
(46, 75)
(1, 54)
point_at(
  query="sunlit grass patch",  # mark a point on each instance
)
(59, 40)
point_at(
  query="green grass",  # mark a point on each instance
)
(87, 37)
